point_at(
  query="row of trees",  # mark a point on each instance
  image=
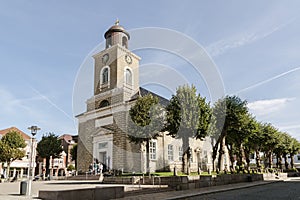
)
(228, 122)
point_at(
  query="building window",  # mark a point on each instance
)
(105, 75)
(191, 154)
(104, 103)
(180, 153)
(102, 145)
(108, 42)
(170, 152)
(298, 157)
(152, 150)
(124, 42)
(128, 77)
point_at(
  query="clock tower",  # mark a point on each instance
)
(102, 128)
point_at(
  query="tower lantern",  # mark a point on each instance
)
(116, 35)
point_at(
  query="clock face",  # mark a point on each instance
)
(128, 59)
(105, 58)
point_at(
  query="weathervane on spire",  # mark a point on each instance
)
(117, 22)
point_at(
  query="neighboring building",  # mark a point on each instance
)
(58, 166)
(68, 142)
(19, 168)
(102, 128)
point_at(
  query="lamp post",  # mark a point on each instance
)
(34, 130)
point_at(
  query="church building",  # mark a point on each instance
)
(102, 128)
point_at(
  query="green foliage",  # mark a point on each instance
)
(11, 147)
(231, 118)
(70, 168)
(49, 146)
(74, 152)
(188, 115)
(145, 119)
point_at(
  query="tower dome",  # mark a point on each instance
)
(116, 35)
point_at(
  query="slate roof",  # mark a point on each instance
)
(143, 92)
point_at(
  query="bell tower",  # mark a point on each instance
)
(116, 67)
(102, 128)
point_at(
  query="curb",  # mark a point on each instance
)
(223, 190)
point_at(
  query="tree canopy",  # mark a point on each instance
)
(11, 148)
(48, 147)
(188, 115)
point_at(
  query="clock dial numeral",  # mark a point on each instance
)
(128, 59)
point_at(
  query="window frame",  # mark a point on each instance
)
(152, 150)
(126, 81)
(170, 152)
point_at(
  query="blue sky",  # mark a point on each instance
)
(255, 46)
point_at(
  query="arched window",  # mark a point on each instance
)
(128, 77)
(124, 42)
(105, 75)
(108, 42)
(104, 103)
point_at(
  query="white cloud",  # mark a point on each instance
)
(265, 107)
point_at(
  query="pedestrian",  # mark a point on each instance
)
(100, 168)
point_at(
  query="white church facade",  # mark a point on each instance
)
(102, 128)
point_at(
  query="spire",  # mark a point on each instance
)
(117, 22)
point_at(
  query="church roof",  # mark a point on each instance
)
(143, 92)
(5, 131)
(116, 28)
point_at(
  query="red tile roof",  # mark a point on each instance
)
(24, 135)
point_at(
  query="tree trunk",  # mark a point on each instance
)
(185, 148)
(214, 155)
(231, 157)
(257, 158)
(292, 160)
(7, 170)
(270, 159)
(286, 164)
(47, 166)
(247, 156)
(241, 156)
(221, 155)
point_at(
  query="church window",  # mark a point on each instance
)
(152, 150)
(124, 42)
(103, 104)
(105, 75)
(128, 77)
(108, 42)
(180, 153)
(170, 152)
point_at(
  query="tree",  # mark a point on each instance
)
(270, 137)
(187, 116)
(74, 154)
(145, 122)
(11, 148)
(48, 147)
(228, 113)
(294, 149)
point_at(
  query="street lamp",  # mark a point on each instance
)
(34, 130)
